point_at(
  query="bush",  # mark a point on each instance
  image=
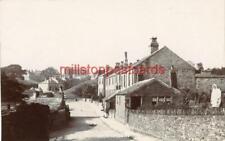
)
(30, 122)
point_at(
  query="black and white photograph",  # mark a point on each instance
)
(112, 70)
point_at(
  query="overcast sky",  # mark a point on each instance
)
(41, 33)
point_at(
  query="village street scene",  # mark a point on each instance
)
(119, 104)
(112, 70)
(87, 121)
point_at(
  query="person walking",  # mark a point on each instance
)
(215, 96)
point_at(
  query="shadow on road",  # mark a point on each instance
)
(109, 139)
(86, 125)
(75, 125)
(100, 139)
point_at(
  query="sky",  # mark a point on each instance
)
(41, 33)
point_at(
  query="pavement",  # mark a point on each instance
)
(88, 124)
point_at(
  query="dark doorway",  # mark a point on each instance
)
(140, 77)
(135, 102)
(173, 77)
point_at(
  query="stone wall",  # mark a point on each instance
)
(112, 113)
(32, 122)
(58, 119)
(120, 114)
(179, 127)
(29, 122)
(185, 72)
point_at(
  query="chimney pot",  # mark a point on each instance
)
(154, 45)
(121, 64)
(126, 60)
(117, 65)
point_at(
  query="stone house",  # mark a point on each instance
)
(51, 84)
(132, 88)
(143, 95)
(163, 64)
(172, 68)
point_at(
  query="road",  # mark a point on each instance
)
(86, 124)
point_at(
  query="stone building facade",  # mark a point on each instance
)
(101, 85)
(51, 84)
(121, 111)
(169, 61)
(143, 95)
(160, 63)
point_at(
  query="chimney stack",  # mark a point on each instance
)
(131, 64)
(126, 60)
(117, 65)
(154, 45)
(121, 64)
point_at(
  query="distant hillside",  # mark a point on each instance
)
(70, 82)
(87, 88)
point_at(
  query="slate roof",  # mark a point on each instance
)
(156, 52)
(149, 56)
(139, 85)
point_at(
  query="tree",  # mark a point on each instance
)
(12, 83)
(89, 91)
(36, 76)
(70, 82)
(200, 67)
(218, 71)
(11, 89)
(49, 72)
(14, 71)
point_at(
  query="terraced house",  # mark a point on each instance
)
(165, 70)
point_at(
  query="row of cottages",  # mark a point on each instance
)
(129, 89)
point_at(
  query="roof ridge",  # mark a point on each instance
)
(146, 57)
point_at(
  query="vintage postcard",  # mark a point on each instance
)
(112, 70)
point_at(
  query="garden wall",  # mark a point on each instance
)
(32, 122)
(177, 125)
